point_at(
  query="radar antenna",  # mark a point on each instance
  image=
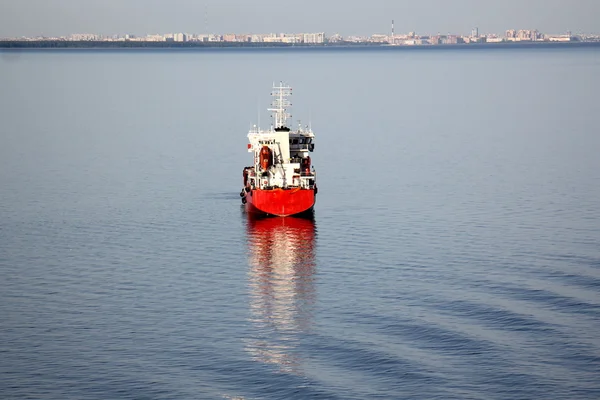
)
(280, 105)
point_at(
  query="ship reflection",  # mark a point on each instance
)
(282, 293)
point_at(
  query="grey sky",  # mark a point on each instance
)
(61, 17)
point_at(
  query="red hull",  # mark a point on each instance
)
(280, 202)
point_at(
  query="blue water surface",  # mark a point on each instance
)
(454, 252)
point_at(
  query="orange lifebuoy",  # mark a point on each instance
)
(266, 157)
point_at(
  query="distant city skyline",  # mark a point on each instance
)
(306, 37)
(140, 17)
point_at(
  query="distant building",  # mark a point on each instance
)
(523, 35)
(291, 39)
(357, 39)
(451, 39)
(155, 38)
(272, 38)
(560, 38)
(494, 39)
(379, 38)
(202, 38)
(84, 37)
(313, 38)
(335, 38)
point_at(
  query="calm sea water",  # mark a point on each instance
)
(454, 252)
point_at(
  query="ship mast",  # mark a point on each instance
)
(280, 104)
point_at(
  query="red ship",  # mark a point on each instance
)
(282, 181)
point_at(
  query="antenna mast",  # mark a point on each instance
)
(280, 104)
(206, 19)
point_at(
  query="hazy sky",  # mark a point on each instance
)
(61, 17)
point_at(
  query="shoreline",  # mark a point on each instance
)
(203, 46)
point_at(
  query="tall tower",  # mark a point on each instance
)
(206, 18)
(392, 31)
